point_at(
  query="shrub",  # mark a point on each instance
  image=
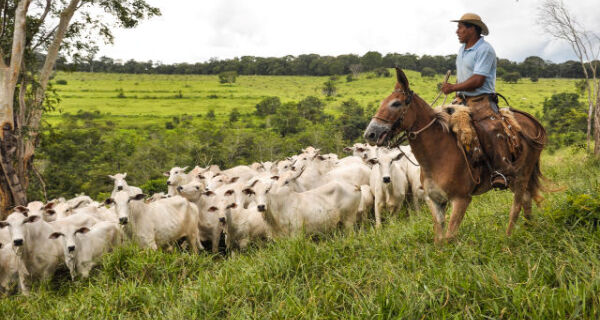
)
(329, 88)
(511, 77)
(234, 115)
(382, 72)
(210, 114)
(61, 81)
(534, 78)
(350, 77)
(581, 209)
(228, 77)
(155, 186)
(267, 106)
(169, 125)
(427, 72)
(121, 94)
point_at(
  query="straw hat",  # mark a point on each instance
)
(474, 19)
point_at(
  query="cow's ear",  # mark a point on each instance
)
(347, 149)
(3, 224)
(229, 192)
(275, 178)
(82, 230)
(399, 156)
(209, 193)
(232, 206)
(137, 197)
(234, 179)
(50, 205)
(166, 174)
(109, 201)
(184, 168)
(55, 235)
(373, 161)
(124, 175)
(248, 191)
(359, 149)
(22, 210)
(201, 177)
(31, 219)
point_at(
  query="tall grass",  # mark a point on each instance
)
(546, 270)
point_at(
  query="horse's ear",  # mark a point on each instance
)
(401, 77)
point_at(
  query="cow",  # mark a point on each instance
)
(157, 224)
(243, 226)
(121, 185)
(9, 263)
(315, 211)
(83, 246)
(388, 182)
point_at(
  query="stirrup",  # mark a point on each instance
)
(498, 186)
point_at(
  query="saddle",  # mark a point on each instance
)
(487, 137)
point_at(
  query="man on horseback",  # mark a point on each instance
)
(475, 88)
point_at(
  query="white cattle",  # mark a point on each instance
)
(366, 203)
(121, 185)
(83, 246)
(178, 177)
(57, 210)
(413, 175)
(243, 226)
(211, 206)
(160, 223)
(363, 151)
(38, 256)
(388, 182)
(9, 263)
(355, 174)
(315, 211)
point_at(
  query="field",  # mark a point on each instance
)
(547, 269)
(146, 99)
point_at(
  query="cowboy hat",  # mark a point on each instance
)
(474, 19)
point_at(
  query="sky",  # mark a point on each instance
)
(198, 30)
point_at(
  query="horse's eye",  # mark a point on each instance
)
(396, 104)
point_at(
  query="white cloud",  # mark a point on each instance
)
(193, 31)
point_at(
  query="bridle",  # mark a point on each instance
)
(408, 134)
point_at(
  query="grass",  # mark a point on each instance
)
(546, 270)
(150, 98)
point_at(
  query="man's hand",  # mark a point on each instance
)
(447, 88)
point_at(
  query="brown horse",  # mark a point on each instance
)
(446, 175)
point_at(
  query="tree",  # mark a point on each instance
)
(29, 47)
(329, 88)
(311, 108)
(352, 122)
(511, 77)
(227, 77)
(428, 72)
(565, 118)
(234, 115)
(558, 21)
(287, 120)
(371, 60)
(267, 106)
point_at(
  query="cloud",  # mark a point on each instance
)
(193, 31)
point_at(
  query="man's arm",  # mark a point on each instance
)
(474, 82)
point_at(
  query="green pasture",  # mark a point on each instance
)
(545, 270)
(146, 99)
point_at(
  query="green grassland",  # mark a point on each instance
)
(546, 270)
(149, 98)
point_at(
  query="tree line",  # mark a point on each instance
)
(317, 65)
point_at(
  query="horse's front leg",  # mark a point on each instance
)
(438, 212)
(459, 207)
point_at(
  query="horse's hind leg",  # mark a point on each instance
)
(527, 206)
(514, 211)
(459, 207)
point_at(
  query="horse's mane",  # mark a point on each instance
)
(441, 116)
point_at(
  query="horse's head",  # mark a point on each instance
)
(394, 113)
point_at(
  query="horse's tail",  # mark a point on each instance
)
(535, 187)
(539, 141)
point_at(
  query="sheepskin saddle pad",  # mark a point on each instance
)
(463, 121)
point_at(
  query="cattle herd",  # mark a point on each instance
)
(310, 192)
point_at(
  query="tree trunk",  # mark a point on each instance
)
(597, 122)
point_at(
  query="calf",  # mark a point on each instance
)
(83, 246)
(315, 211)
(121, 185)
(159, 223)
(388, 182)
(9, 263)
(243, 226)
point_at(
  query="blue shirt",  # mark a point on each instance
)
(479, 59)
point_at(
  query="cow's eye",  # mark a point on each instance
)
(396, 104)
